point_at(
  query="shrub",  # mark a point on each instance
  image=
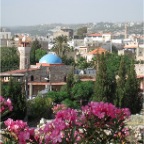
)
(70, 103)
(57, 97)
(39, 107)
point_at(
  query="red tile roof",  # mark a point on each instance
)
(95, 35)
(19, 71)
(130, 46)
(98, 51)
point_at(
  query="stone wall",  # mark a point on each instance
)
(58, 73)
(55, 73)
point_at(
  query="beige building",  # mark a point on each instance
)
(64, 32)
(140, 53)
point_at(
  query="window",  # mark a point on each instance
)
(64, 78)
(32, 78)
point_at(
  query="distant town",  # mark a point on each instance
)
(51, 74)
(86, 40)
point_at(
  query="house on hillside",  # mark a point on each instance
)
(95, 52)
(64, 32)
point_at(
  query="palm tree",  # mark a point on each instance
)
(61, 46)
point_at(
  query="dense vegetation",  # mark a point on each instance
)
(9, 58)
(15, 91)
(36, 52)
(115, 78)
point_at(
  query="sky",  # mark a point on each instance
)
(33, 12)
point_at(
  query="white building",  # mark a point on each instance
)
(5, 35)
(76, 43)
(96, 38)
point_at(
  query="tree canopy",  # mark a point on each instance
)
(61, 46)
(9, 59)
(35, 46)
(39, 53)
(81, 32)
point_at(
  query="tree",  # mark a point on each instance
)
(9, 59)
(101, 84)
(70, 83)
(121, 81)
(132, 99)
(81, 32)
(35, 45)
(82, 63)
(68, 61)
(61, 46)
(39, 53)
(83, 91)
(14, 91)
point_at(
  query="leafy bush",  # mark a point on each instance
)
(15, 91)
(83, 90)
(70, 103)
(57, 97)
(39, 107)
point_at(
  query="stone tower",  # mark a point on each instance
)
(24, 51)
(126, 30)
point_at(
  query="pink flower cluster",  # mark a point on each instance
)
(59, 107)
(102, 110)
(19, 130)
(6, 105)
(98, 122)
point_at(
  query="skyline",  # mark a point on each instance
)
(35, 12)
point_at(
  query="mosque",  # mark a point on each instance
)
(49, 74)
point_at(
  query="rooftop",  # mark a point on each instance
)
(98, 51)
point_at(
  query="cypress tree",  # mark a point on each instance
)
(35, 46)
(70, 83)
(121, 80)
(132, 98)
(101, 84)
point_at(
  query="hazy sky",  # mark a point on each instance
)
(31, 12)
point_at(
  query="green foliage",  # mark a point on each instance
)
(68, 61)
(61, 46)
(35, 45)
(82, 63)
(57, 97)
(114, 49)
(14, 90)
(132, 99)
(112, 64)
(81, 32)
(70, 83)
(39, 53)
(121, 80)
(83, 90)
(39, 107)
(101, 84)
(70, 103)
(9, 59)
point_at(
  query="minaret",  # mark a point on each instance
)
(125, 31)
(24, 51)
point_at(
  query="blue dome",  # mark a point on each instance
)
(50, 58)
